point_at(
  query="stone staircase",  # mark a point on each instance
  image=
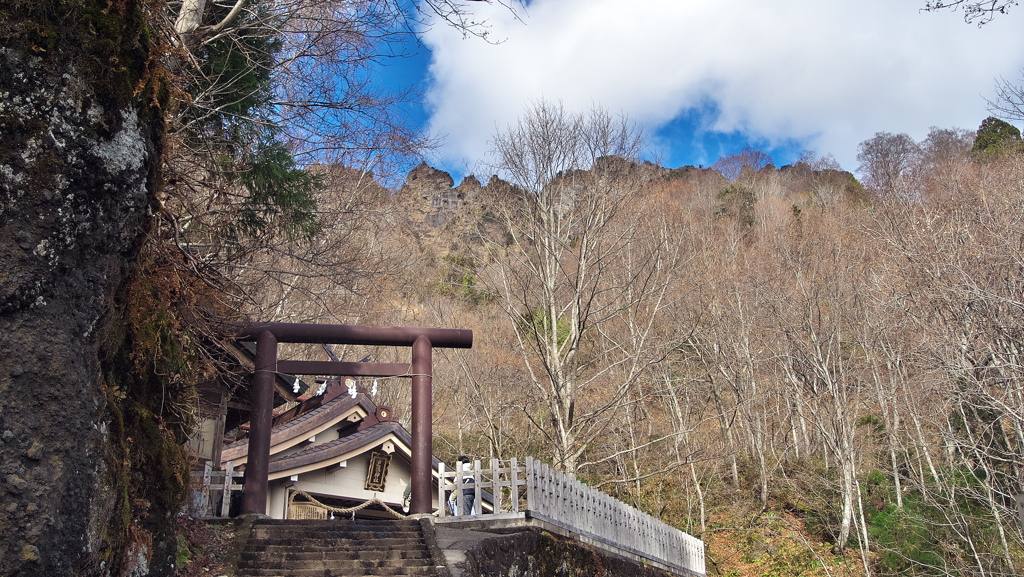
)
(336, 548)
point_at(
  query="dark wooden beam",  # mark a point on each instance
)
(357, 335)
(343, 369)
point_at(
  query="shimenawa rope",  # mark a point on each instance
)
(372, 501)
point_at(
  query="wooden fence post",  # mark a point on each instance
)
(442, 502)
(514, 470)
(496, 486)
(477, 480)
(531, 485)
(229, 480)
(458, 489)
(204, 503)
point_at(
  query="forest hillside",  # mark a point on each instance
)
(815, 376)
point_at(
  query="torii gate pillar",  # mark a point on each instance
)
(422, 425)
(261, 420)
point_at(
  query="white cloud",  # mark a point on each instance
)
(829, 73)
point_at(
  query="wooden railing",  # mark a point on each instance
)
(553, 497)
(496, 490)
(211, 490)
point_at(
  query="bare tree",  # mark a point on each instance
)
(319, 57)
(816, 357)
(749, 158)
(198, 21)
(887, 162)
(581, 279)
(945, 160)
(739, 358)
(274, 153)
(1009, 101)
(982, 11)
(963, 285)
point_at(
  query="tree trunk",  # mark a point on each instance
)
(846, 486)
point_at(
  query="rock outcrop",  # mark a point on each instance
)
(78, 148)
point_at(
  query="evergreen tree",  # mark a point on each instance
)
(996, 136)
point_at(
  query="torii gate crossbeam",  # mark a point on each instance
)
(267, 337)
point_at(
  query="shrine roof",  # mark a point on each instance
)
(325, 452)
(334, 409)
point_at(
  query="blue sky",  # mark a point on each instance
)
(706, 78)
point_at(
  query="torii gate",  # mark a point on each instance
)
(268, 335)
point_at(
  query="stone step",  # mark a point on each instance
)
(365, 533)
(261, 531)
(409, 571)
(337, 526)
(339, 542)
(354, 537)
(338, 548)
(340, 567)
(292, 554)
(338, 534)
(334, 529)
(327, 557)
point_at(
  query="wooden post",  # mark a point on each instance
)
(547, 507)
(496, 486)
(422, 427)
(458, 489)
(225, 503)
(477, 480)
(564, 497)
(204, 505)
(514, 468)
(287, 502)
(531, 484)
(257, 465)
(442, 502)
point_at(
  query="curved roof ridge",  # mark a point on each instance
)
(320, 414)
(337, 447)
